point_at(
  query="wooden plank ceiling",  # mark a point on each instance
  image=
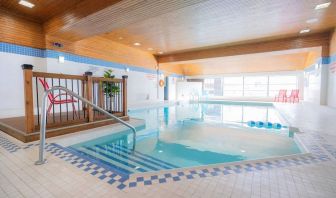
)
(212, 23)
(43, 9)
(286, 60)
(175, 25)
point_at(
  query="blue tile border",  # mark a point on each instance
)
(29, 51)
(187, 174)
(222, 170)
(109, 174)
(323, 60)
(8, 145)
(99, 169)
(333, 58)
(46, 53)
(22, 50)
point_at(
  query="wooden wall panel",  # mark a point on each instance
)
(333, 43)
(314, 40)
(101, 48)
(245, 64)
(171, 69)
(312, 57)
(17, 30)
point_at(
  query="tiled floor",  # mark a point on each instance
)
(311, 176)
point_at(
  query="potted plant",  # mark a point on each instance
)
(110, 89)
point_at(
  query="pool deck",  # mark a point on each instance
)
(66, 176)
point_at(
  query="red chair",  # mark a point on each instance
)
(281, 96)
(53, 100)
(294, 97)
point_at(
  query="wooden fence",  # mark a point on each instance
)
(63, 109)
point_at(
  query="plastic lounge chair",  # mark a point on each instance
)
(281, 97)
(53, 99)
(294, 96)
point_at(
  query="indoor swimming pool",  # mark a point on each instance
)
(194, 134)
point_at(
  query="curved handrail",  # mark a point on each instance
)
(44, 119)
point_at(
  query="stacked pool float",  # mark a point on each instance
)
(267, 125)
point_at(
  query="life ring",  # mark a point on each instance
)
(161, 83)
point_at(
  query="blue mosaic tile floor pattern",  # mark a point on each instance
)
(224, 170)
(8, 145)
(100, 169)
(319, 147)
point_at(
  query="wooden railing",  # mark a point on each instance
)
(105, 97)
(65, 110)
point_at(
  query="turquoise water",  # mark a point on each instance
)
(189, 135)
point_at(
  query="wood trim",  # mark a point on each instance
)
(89, 96)
(28, 100)
(102, 79)
(104, 117)
(20, 135)
(313, 40)
(124, 92)
(54, 75)
(62, 124)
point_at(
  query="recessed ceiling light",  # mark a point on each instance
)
(120, 38)
(150, 49)
(304, 31)
(322, 6)
(26, 3)
(160, 52)
(137, 44)
(314, 20)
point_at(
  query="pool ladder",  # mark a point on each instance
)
(41, 159)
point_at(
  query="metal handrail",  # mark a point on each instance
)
(44, 119)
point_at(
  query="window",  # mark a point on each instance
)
(255, 86)
(281, 82)
(213, 87)
(250, 86)
(233, 86)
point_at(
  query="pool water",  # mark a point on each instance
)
(187, 135)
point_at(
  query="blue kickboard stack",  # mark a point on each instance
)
(267, 125)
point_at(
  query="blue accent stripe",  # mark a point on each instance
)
(46, 53)
(22, 50)
(115, 159)
(126, 157)
(94, 160)
(332, 58)
(143, 158)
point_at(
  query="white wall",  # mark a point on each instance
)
(332, 72)
(312, 85)
(172, 82)
(316, 84)
(332, 85)
(142, 87)
(11, 82)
